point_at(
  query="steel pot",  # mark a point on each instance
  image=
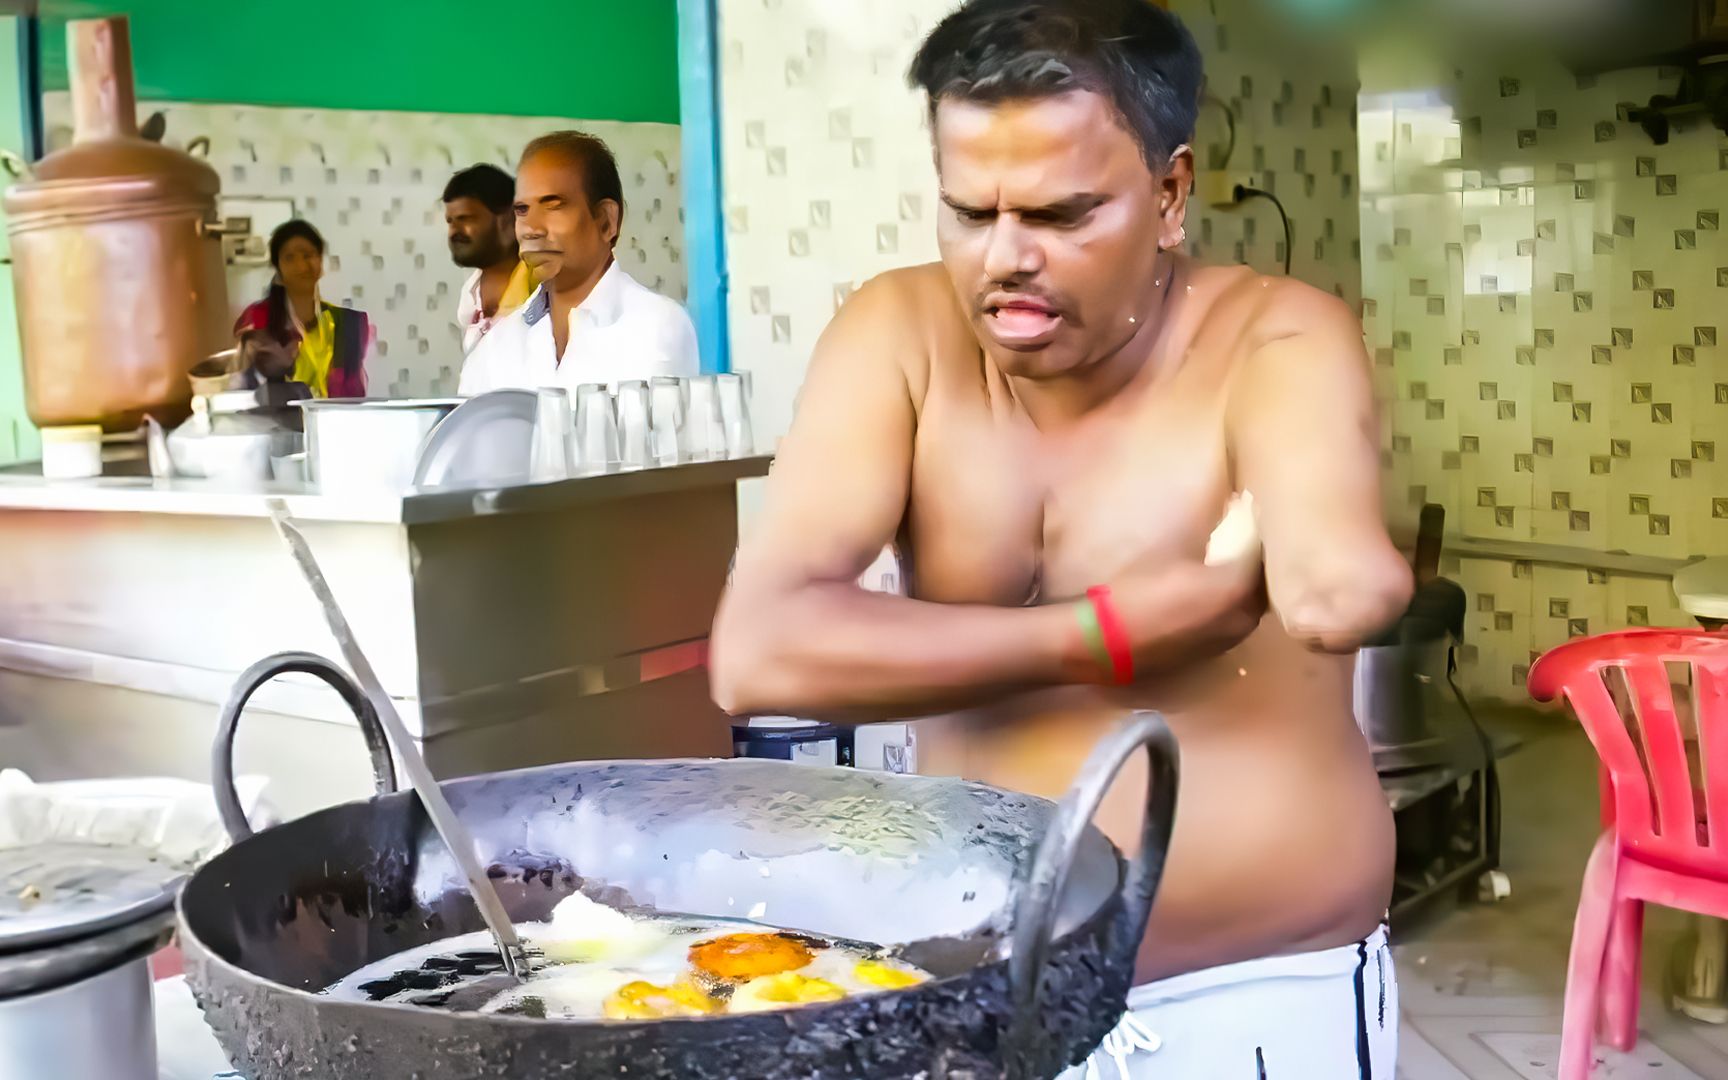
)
(955, 870)
(81, 1005)
(100, 1026)
(366, 444)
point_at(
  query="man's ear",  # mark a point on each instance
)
(611, 220)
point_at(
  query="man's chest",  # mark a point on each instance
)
(1000, 514)
(587, 354)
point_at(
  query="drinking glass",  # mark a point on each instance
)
(596, 428)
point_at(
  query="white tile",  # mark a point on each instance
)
(1535, 1056)
(1419, 1060)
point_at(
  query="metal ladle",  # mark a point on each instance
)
(444, 819)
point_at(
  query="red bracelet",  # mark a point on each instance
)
(1115, 635)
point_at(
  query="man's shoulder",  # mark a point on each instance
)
(1272, 308)
(645, 297)
(910, 288)
(908, 305)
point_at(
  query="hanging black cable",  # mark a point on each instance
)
(1244, 193)
(1229, 129)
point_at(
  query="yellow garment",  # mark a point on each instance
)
(317, 353)
(517, 292)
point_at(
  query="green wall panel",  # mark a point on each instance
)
(592, 59)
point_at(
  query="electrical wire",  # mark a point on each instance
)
(1244, 193)
(1229, 127)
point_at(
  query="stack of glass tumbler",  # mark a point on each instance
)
(642, 425)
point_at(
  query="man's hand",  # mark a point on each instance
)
(1177, 612)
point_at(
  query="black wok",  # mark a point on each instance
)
(954, 870)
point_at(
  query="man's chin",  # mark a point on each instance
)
(1036, 362)
(543, 269)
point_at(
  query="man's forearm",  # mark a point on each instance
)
(841, 651)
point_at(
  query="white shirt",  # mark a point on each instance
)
(471, 317)
(623, 330)
(471, 314)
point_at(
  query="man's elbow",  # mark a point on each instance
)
(732, 669)
(1340, 617)
(745, 677)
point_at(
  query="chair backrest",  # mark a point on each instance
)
(1645, 753)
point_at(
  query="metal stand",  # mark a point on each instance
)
(1448, 821)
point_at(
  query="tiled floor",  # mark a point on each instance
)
(1482, 985)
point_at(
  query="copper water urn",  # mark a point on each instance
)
(117, 261)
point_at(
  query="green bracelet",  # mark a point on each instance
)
(1093, 631)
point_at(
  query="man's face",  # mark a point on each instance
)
(1050, 228)
(564, 239)
(478, 237)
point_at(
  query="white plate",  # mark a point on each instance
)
(488, 441)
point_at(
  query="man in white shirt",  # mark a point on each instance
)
(589, 321)
(478, 212)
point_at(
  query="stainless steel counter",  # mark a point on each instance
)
(22, 488)
(512, 627)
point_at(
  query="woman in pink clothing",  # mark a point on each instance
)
(328, 345)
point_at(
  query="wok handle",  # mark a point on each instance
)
(1036, 907)
(254, 677)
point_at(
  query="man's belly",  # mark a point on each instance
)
(1283, 839)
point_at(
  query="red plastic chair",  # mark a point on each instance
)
(1660, 846)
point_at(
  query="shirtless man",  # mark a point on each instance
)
(1065, 402)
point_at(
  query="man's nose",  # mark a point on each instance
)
(1011, 251)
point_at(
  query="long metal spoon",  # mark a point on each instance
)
(444, 819)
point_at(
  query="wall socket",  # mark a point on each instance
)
(1218, 187)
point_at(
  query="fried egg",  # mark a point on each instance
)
(782, 991)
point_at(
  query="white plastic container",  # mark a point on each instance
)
(72, 453)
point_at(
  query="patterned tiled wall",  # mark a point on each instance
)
(1543, 298)
(828, 175)
(1295, 137)
(1519, 609)
(370, 182)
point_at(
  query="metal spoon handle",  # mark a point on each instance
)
(444, 819)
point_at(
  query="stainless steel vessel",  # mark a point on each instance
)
(368, 444)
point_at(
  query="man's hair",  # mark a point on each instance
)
(589, 153)
(1136, 55)
(488, 185)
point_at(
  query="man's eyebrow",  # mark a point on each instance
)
(1072, 206)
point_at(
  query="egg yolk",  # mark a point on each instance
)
(737, 957)
(646, 1001)
(884, 977)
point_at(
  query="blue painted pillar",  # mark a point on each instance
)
(704, 213)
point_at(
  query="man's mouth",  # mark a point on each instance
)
(1020, 322)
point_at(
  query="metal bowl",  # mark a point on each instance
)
(952, 870)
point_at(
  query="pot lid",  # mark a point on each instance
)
(109, 166)
(111, 174)
(57, 891)
(85, 857)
